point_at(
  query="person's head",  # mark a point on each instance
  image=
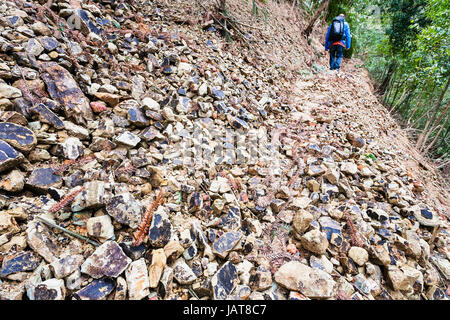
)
(342, 15)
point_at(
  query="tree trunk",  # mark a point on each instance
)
(390, 86)
(403, 108)
(422, 138)
(435, 125)
(399, 86)
(384, 84)
(323, 6)
(436, 137)
(418, 104)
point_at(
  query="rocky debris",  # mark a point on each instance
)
(225, 243)
(43, 241)
(137, 280)
(66, 266)
(315, 241)
(19, 262)
(125, 209)
(13, 182)
(52, 289)
(19, 137)
(156, 269)
(41, 179)
(11, 290)
(98, 289)
(121, 289)
(107, 260)
(182, 273)
(9, 157)
(100, 227)
(359, 255)
(224, 281)
(312, 282)
(269, 194)
(64, 89)
(160, 230)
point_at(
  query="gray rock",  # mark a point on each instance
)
(160, 230)
(33, 47)
(100, 227)
(46, 115)
(107, 260)
(43, 241)
(52, 289)
(182, 273)
(93, 196)
(64, 89)
(17, 136)
(127, 138)
(224, 281)
(76, 131)
(41, 179)
(125, 209)
(19, 262)
(9, 92)
(226, 243)
(98, 289)
(349, 168)
(73, 148)
(9, 157)
(313, 283)
(66, 266)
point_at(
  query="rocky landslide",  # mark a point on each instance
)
(272, 188)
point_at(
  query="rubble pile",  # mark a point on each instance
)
(142, 156)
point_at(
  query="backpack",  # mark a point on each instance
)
(337, 30)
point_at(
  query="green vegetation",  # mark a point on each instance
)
(406, 46)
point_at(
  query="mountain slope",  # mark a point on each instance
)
(271, 170)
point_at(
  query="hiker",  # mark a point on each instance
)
(338, 37)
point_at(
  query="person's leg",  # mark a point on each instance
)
(332, 57)
(339, 54)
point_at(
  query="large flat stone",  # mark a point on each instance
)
(9, 157)
(43, 178)
(17, 136)
(311, 282)
(107, 260)
(125, 209)
(63, 88)
(99, 289)
(46, 115)
(19, 262)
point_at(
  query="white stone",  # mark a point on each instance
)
(137, 280)
(359, 255)
(313, 283)
(100, 227)
(151, 104)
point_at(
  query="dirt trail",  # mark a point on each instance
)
(348, 97)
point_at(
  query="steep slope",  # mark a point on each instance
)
(264, 175)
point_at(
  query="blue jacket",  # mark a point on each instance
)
(346, 40)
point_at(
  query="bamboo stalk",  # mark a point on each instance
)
(79, 236)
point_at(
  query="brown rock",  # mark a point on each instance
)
(156, 269)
